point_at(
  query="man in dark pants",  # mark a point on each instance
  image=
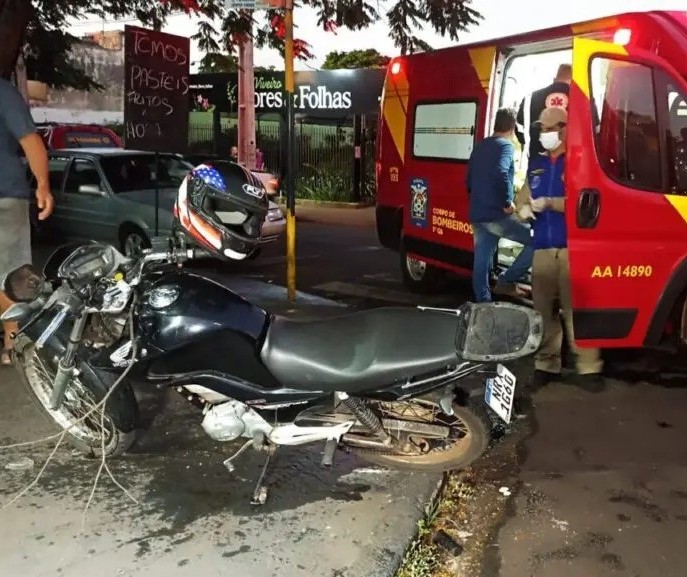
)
(554, 95)
(491, 172)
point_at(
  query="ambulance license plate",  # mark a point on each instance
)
(500, 392)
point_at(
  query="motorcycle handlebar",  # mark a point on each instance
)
(193, 253)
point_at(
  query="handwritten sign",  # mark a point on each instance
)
(156, 85)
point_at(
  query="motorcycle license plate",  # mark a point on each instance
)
(500, 392)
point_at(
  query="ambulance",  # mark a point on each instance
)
(626, 173)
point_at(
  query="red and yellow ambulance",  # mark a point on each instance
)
(626, 174)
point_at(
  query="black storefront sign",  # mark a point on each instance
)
(319, 93)
(156, 90)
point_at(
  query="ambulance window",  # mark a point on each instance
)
(445, 130)
(677, 139)
(627, 138)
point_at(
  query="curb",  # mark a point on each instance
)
(333, 221)
(306, 202)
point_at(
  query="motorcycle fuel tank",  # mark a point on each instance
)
(183, 307)
(194, 327)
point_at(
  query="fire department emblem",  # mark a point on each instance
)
(419, 198)
(557, 100)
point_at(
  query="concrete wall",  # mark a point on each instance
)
(101, 56)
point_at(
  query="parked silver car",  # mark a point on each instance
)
(109, 195)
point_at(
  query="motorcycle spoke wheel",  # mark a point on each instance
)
(76, 412)
(467, 440)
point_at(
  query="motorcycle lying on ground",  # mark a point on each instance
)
(387, 383)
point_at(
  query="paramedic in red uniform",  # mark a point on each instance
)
(543, 197)
(491, 172)
(555, 94)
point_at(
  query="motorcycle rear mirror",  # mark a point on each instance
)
(17, 312)
(23, 284)
(498, 332)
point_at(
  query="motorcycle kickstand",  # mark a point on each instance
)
(258, 443)
(260, 492)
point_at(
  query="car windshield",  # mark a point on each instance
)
(128, 172)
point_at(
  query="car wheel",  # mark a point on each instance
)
(421, 277)
(133, 241)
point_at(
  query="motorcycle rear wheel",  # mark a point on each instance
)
(83, 392)
(462, 453)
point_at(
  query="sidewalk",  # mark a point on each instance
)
(364, 217)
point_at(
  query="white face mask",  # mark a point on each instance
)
(550, 140)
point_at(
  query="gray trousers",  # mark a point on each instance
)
(15, 235)
(551, 285)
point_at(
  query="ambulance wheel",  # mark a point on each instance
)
(421, 277)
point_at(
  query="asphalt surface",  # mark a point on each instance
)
(602, 487)
(192, 515)
(597, 482)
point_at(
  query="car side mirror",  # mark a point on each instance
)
(497, 332)
(91, 189)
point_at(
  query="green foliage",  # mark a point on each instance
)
(327, 183)
(47, 45)
(421, 558)
(48, 59)
(214, 62)
(369, 58)
(218, 62)
(219, 29)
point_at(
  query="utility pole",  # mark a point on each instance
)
(246, 127)
(290, 160)
(247, 119)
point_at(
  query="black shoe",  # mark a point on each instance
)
(592, 383)
(542, 378)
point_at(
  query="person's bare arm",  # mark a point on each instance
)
(16, 116)
(37, 157)
(523, 196)
(556, 203)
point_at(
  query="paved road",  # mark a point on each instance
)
(603, 486)
(598, 485)
(194, 517)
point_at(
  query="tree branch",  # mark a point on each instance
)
(14, 17)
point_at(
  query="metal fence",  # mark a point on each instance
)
(324, 155)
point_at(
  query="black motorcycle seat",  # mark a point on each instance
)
(361, 351)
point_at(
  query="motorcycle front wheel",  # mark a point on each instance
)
(468, 438)
(76, 414)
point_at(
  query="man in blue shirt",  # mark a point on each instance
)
(544, 195)
(491, 172)
(17, 130)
